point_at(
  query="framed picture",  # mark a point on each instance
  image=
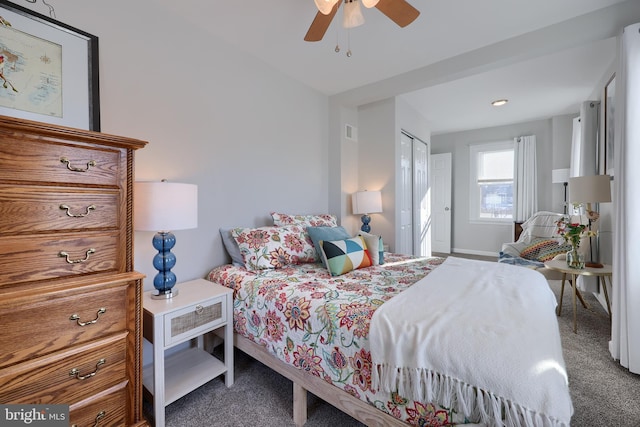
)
(609, 117)
(48, 70)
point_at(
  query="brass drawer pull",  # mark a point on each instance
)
(68, 209)
(99, 417)
(199, 309)
(90, 322)
(75, 372)
(67, 162)
(77, 261)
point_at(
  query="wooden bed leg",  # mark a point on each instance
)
(299, 405)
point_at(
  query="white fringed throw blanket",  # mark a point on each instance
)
(479, 337)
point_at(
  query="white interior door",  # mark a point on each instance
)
(441, 202)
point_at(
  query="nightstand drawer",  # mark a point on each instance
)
(191, 321)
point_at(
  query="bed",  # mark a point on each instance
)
(313, 327)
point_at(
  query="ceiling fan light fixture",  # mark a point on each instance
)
(325, 6)
(370, 3)
(352, 14)
(499, 102)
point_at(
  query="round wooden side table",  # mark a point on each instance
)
(606, 272)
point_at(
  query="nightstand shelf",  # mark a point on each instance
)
(200, 307)
(185, 371)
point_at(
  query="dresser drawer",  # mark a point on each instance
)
(190, 321)
(27, 160)
(109, 409)
(59, 378)
(39, 257)
(36, 209)
(54, 323)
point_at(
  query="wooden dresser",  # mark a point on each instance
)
(70, 302)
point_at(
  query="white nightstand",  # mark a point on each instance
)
(200, 307)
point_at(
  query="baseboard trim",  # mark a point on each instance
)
(474, 252)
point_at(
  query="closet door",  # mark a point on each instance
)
(406, 195)
(421, 199)
(415, 204)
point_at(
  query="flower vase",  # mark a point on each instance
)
(575, 259)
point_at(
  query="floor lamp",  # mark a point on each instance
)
(561, 176)
(591, 189)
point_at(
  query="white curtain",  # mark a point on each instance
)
(625, 328)
(576, 148)
(525, 186)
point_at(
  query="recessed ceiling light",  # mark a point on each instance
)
(499, 102)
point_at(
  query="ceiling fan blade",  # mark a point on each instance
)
(399, 11)
(320, 25)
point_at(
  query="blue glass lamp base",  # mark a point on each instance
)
(164, 261)
(366, 219)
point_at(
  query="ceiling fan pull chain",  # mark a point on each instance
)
(349, 43)
(337, 49)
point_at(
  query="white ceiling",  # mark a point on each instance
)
(546, 56)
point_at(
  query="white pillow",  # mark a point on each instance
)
(375, 246)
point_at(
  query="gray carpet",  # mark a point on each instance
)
(604, 393)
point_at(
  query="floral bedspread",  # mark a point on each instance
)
(320, 323)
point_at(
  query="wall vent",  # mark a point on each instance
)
(350, 132)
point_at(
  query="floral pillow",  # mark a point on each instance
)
(323, 220)
(343, 256)
(273, 247)
(304, 221)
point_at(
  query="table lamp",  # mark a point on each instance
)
(365, 203)
(161, 207)
(590, 189)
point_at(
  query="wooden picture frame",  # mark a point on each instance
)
(48, 70)
(609, 125)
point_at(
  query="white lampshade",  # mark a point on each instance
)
(366, 202)
(590, 189)
(352, 14)
(325, 6)
(560, 176)
(165, 206)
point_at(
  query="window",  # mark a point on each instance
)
(491, 187)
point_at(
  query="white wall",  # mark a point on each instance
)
(487, 239)
(562, 132)
(380, 126)
(252, 139)
(376, 153)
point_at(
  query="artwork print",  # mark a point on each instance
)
(48, 70)
(30, 72)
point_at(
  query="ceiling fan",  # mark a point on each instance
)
(399, 11)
